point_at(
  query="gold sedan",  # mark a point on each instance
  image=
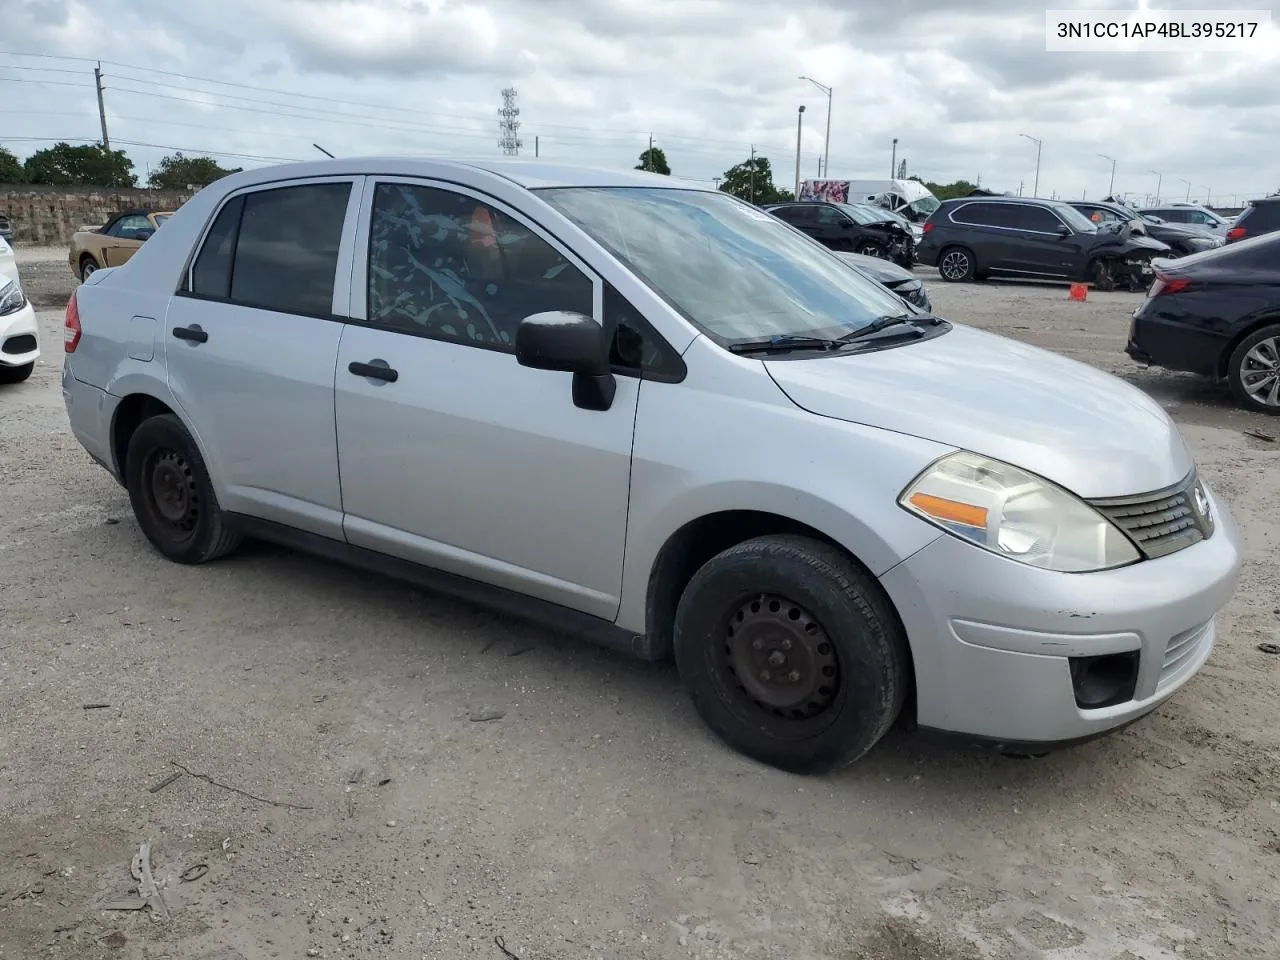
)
(114, 242)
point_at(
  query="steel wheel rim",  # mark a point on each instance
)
(171, 496)
(1260, 372)
(88, 268)
(955, 265)
(869, 250)
(780, 658)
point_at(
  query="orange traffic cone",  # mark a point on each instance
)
(1080, 291)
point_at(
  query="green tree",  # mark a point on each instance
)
(948, 191)
(655, 160)
(11, 168)
(91, 165)
(176, 171)
(752, 180)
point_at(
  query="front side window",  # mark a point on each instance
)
(733, 271)
(1076, 220)
(450, 267)
(832, 217)
(127, 227)
(1037, 219)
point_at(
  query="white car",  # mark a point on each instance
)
(19, 346)
(659, 416)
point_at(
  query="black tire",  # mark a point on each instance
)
(16, 374)
(1241, 366)
(1101, 277)
(957, 265)
(796, 604)
(87, 266)
(171, 494)
(869, 248)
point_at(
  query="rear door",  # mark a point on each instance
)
(452, 454)
(990, 231)
(250, 344)
(1041, 247)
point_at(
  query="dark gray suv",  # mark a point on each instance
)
(974, 237)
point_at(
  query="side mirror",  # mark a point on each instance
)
(1064, 231)
(571, 343)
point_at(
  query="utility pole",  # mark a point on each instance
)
(893, 164)
(753, 173)
(1159, 182)
(102, 108)
(1035, 189)
(799, 128)
(1111, 189)
(535, 145)
(825, 170)
(648, 157)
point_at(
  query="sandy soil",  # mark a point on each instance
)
(362, 807)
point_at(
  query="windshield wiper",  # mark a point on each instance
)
(783, 343)
(893, 320)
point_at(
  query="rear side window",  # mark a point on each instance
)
(986, 214)
(211, 274)
(287, 252)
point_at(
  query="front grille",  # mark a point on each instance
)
(1181, 653)
(1163, 522)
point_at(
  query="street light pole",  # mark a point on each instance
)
(826, 143)
(1188, 183)
(1159, 181)
(1208, 195)
(799, 127)
(1035, 189)
(893, 163)
(1112, 188)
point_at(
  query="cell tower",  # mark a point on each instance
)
(509, 125)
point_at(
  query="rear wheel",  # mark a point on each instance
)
(956, 265)
(88, 265)
(16, 374)
(171, 493)
(792, 653)
(1254, 371)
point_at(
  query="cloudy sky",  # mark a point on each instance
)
(956, 81)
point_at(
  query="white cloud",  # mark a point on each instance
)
(955, 83)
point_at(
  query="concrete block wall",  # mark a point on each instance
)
(49, 215)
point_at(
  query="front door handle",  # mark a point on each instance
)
(193, 333)
(377, 369)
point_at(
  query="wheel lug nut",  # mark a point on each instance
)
(786, 644)
(793, 676)
(757, 644)
(764, 675)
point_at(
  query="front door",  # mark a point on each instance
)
(123, 240)
(250, 346)
(452, 454)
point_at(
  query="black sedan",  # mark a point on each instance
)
(851, 228)
(1217, 314)
(897, 279)
(1182, 238)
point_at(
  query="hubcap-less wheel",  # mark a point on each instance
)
(955, 266)
(171, 495)
(870, 250)
(781, 658)
(1260, 372)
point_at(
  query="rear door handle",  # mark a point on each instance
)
(194, 334)
(377, 369)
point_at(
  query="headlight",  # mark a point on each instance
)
(1011, 512)
(11, 298)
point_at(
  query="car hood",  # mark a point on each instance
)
(1085, 430)
(885, 271)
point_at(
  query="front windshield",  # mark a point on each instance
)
(861, 213)
(925, 206)
(734, 271)
(1076, 220)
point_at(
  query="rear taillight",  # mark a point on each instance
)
(927, 227)
(1236, 233)
(71, 326)
(1165, 285)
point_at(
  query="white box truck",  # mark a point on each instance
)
(909, 199)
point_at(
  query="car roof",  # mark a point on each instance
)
(529, 172)
(1002, 198)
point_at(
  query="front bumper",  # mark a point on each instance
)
(19, 337)
(991, 638)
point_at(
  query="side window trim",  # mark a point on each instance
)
(358, 299)
(186, 280)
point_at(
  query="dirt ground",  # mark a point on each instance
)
(377, 772)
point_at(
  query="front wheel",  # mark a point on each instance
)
(172, 495)
(16, 374)
(792, 653)
(868, 249)
(88, 267)
(1254, 371)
